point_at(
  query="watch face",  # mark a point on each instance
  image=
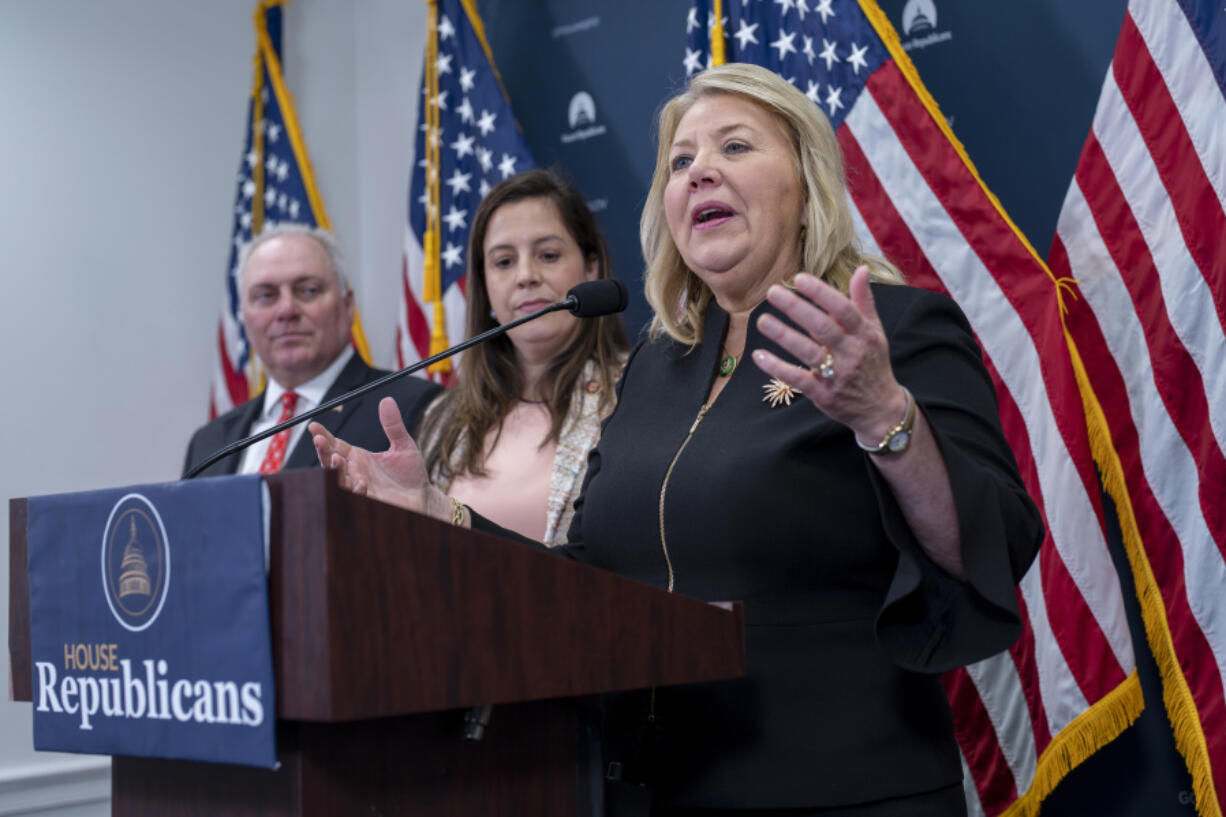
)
(898, 441)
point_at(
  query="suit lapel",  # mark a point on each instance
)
(355, 373)
(236, 427)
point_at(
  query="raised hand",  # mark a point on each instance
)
(848, 375)
(397, 476)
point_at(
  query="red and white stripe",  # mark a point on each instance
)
(415, 318)
(1142, 231)
(924, 207)
(228, 387)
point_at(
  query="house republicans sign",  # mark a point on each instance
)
(149, 622)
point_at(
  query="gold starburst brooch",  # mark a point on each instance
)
(778, 392)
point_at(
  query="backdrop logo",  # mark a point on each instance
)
(919, 17)
(581, 114)
(135, 562)
(919, 25)
(582, 110)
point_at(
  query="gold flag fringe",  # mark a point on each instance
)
(1180, 705)
(1090, 731)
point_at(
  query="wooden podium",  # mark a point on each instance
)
(387, 627)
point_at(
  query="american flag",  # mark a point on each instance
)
(275, 184)
(467, 141)
(1026, 716)
(1141, 231)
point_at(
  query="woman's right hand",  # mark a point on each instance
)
(396, 476)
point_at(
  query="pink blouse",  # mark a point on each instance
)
(515, 490)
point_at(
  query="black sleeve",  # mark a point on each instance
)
(483, 525)
(932, 621)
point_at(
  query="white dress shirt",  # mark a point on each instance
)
(310, 395)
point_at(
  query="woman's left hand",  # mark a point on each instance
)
(397, 476)
(843, 337)
(848, 374)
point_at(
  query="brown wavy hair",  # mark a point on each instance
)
(489, 381)
(830, 248)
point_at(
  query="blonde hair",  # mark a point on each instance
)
(830, 249)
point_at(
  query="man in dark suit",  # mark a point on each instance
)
(297, 309)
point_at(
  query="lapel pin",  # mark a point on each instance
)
(778, 392)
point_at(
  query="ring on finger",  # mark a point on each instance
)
(826, 368)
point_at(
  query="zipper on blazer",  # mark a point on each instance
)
(702, 412)
(668, 561)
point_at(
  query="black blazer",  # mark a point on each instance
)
(847, 620)
(356, 422)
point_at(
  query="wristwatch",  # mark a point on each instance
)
(898, 438)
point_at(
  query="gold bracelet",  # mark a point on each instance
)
(457, 511)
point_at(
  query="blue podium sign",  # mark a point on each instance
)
(149, 629)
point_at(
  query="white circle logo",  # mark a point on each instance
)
(135, 562)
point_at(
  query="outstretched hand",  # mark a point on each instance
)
(843, 349)
(396, 476)
(845, 371)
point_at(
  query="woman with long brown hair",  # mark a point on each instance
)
(512, 437)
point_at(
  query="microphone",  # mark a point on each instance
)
(594, 298)
(587, 300)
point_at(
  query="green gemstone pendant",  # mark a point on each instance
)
(726, 365)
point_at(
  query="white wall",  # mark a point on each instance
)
(121, 128)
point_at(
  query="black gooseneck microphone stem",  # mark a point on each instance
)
(569, 303)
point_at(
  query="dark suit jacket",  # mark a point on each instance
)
(356, 422)
(847, 620)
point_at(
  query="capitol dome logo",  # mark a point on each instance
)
(919, 17)
(919, 25)
(582, 110)
(135, 562)
(581, 115)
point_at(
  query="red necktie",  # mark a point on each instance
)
(276, 451)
